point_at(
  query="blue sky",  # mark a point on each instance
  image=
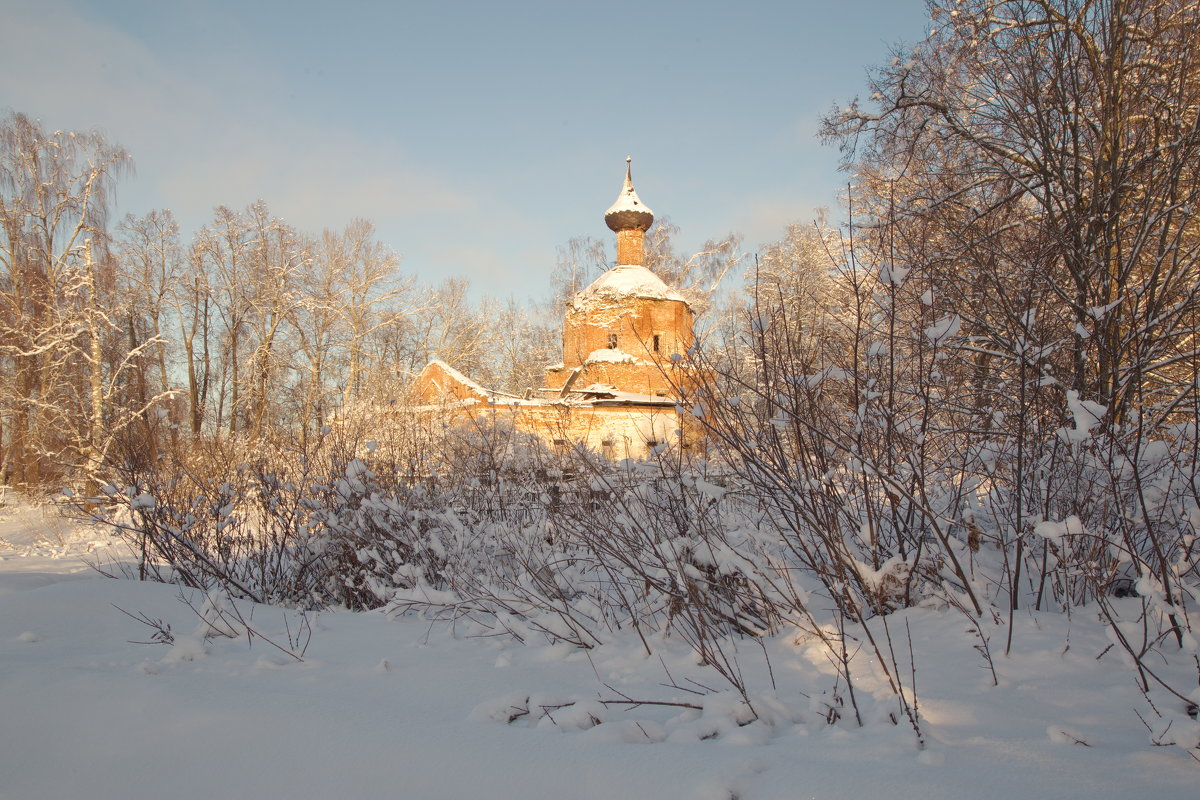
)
(478, 136)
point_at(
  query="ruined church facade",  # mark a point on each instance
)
(615, 390)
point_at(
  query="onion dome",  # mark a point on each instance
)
(629, 212)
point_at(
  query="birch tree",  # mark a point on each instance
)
(54, 189)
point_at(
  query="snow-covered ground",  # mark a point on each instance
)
(380, 707)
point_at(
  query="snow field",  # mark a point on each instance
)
(383, 707)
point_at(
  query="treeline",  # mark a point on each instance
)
(118, 334)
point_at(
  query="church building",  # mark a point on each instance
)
(623, 340)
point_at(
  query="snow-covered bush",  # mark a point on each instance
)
(839, 484)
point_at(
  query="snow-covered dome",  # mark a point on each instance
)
(623, 282)
(629, 212)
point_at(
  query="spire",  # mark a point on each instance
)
(629, 218)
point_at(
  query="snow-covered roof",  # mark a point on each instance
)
(603, 395)
(443, 406)
(624, 281)
(600, 394)
(458, 376)
(490, 396)
(613, 355)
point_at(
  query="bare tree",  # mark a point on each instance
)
(697, 276)
(373, 298)
(53, 314)
(1074, 123)
(152, 270)
(222, 250)
(1029, 174)
(527, 341)
(277, 257)
(193, 305)
(449, 326)
(351, 297)
(580, 261)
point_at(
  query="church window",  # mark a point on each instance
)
(656, 342)
(612, 341)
